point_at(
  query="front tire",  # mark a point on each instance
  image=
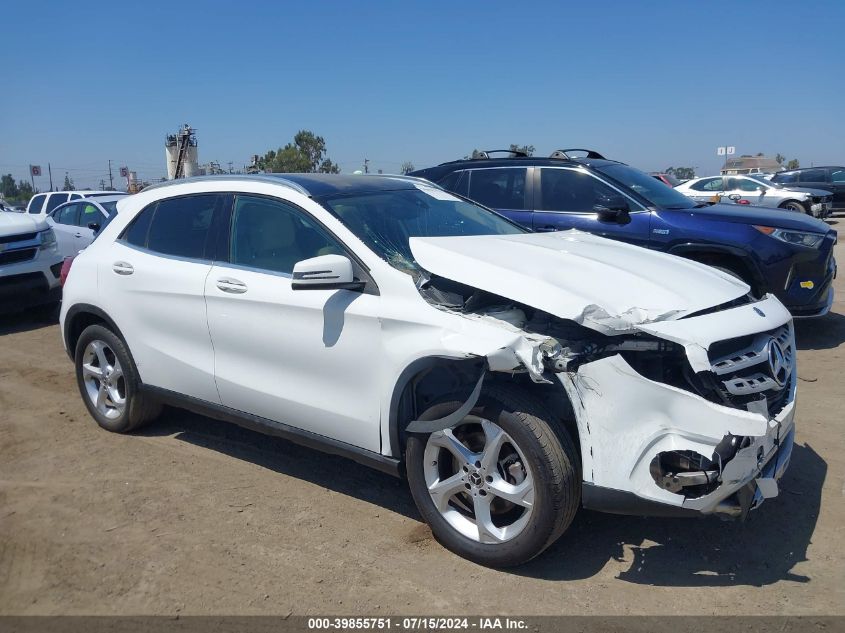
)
(794, 205)
(500, 486)
(108, 382)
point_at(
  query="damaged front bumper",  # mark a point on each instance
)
(629, 423)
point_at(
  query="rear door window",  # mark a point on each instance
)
(813, 175)
(785, 179)
(499, 188)
(181, 226)
(67, 215)
(55, 200)
(709, 184)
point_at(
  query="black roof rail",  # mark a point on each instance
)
(515, 153)
(564, 153)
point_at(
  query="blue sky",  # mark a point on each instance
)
(653, 84)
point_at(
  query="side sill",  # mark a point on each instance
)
(621, 502)
(322, 443)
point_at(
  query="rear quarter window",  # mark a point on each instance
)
(37, 203)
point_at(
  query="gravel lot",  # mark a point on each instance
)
(194, 516)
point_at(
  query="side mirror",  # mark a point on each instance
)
(615, 209)
(326, 272)
(94, 226)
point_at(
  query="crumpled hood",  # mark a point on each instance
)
(17, 223)
(603, 284)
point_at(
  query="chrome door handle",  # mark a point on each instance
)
(122, 268)
(234, 286)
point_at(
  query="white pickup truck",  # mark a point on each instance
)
(30, 262)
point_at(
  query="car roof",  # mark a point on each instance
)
(795, 171)
(514, 161)
(315, 185)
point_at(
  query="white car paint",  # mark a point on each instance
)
(328, 361)
(72, 238)
(23, 234)
(756, 191)
(43, 204)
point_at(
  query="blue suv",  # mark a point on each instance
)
(787, 254)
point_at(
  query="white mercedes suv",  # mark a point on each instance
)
(512, 377)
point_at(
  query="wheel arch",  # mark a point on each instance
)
(715, 254)
(429, 378)
(79, 317)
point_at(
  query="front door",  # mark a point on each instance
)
(307, 358)
(566, 199)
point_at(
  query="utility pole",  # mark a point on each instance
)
(366, 165)
(102, 184)
(32, 178)
(111, 180)
(50, 171)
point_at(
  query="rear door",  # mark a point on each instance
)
(64, 221)
(505, 189)
(566, 197)
(154, 277)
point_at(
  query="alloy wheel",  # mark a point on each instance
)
(104, 381)
(479, 480)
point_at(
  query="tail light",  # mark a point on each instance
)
(66, 264)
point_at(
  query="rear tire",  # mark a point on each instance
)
(533, 462)
(108, 382)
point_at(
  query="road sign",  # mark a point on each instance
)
(124, 172)
(35, 170)
(720, 151)
(731, 150)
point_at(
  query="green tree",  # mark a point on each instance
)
(681, 173)
(8, 187)
(68, 184)
(305, 155)
(793, 164)
(780, 158)
(25, 191)
(407, 167)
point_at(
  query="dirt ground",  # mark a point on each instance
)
(193, 516)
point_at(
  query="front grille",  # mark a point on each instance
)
(14, 257)
(753, 369)
(22, 237)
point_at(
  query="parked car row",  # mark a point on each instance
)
(786, 254)
(757, 191)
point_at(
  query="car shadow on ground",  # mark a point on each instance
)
(32, 319)
(827, 332)
(287, 458)
(665, 552)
